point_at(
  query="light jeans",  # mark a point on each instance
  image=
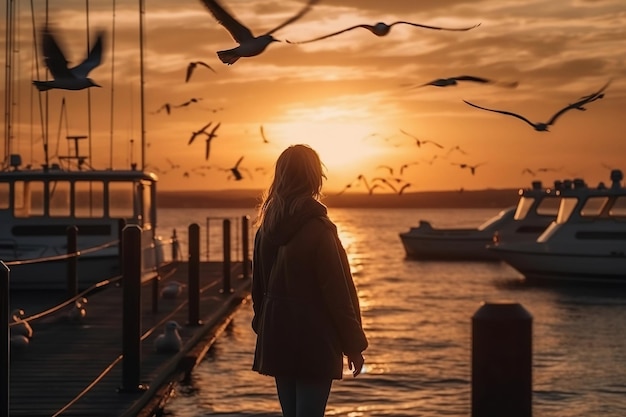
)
(303, 398)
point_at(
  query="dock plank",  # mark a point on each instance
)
(65, 357)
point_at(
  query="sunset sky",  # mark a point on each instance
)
(348, 96)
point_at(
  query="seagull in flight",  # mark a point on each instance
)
(249, 45)
(472, 168)
(263, 135)
(419, 142)
(198, 132)
(65, 78)
(453, 81)
(192, 66)
(236, 170)
(167, 107)
(382, 29)
(188, 102)
(209, 138)
(543, 126)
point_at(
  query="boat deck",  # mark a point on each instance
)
(66, 357)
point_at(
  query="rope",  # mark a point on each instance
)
(144, 336)
(64, 256)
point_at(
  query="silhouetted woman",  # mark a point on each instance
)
(306, 310)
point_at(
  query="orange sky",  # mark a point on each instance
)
(346, 96)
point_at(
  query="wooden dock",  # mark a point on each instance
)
(76, 368)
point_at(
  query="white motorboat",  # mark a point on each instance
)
(535, 209)
(586, 242)
(38, 206)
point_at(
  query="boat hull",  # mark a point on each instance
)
(567, 266)
(448, 248)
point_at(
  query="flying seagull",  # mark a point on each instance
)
(452, 81)
(167, 107)
(192, 66)
(198, 132)
(249, 45)
(235, 170)
(188, 102)
(263, 135)
(472, 168)
(382, 29)
(543, 126)
(419, 142)
(65, 78)
(209, 138)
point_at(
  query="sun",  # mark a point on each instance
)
(347, 140)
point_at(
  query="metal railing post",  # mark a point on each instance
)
(245, 247)
(72, 261)
(5, 339)
(194, 275)
(226, 289)
(131, 319)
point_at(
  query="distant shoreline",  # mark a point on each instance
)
(490, 198)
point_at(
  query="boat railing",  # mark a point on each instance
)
(237, 236)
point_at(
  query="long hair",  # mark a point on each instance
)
(298, 176)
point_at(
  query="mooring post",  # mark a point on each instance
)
(121, 223)
(156, 281)
(245, 247)
(174, 246)
(131, 319)
(72, 261)
(194, 275)
(226, 289)
(208, 237)
(502, 361)
(5, 339)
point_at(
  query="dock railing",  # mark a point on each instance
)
(131, 281)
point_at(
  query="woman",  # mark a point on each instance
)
(306, 309)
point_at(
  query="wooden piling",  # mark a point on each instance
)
(131, 343)
(245, 246)
(193, 281)
(5, 337)
(226, 287)
(72, 261)
(502, 361)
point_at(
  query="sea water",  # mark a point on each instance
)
(417, 316)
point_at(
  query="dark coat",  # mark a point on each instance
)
(310, 317)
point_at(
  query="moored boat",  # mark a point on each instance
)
(586, 242)
(535, 209)
(38, 206)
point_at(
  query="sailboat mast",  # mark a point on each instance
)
(8, 81)
(142, 12)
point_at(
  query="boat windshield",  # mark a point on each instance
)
(523, 206)
(618, 209)
(496, 219)
(549, 206)
(568, 204)
(546, 206)
(593, 206)
(4, 195)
